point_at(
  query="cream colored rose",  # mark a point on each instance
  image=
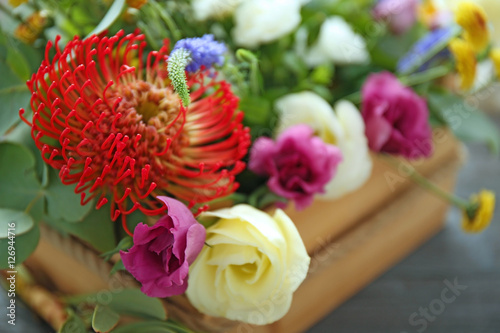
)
(263, 21)
(205, 9)
(336, 43)
(343, 127)
(252, 267)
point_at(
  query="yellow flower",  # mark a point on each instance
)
(495, 57)
(15, 3)
(137, 4)
(29, 31)
(473, 19)
(427, 12)
(255, 261)
(465, 60)
(482, 215)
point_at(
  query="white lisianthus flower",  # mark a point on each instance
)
(263, 21)
(343, 127)
(253, 265)
(336, 43)
(205, 9)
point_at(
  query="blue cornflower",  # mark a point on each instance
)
(426, 48)
(203, 51)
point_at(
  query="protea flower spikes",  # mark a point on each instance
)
(115, 128)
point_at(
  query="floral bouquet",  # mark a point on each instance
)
(169, 135)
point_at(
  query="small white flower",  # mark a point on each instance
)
(205, 9)
(336, 43)
(343, 127)
(263, 21)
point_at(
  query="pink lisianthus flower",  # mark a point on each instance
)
(298, 164)
(400, 15)
(162, 253)
(396, 118)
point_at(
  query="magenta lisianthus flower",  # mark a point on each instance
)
(298, 164)
(400, 15)
(162, 253)
(396, 118)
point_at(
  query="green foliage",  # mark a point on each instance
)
(111, 16)
(152, 327)
(22, 240)
(467, 122)
(104, 319)
(130, 302)
(73, 324)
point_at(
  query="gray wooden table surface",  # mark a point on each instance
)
(414, 290)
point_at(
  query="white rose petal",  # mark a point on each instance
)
(343, 128)
(253, 265)
(263, 21)
(338, 43)
(205, 9)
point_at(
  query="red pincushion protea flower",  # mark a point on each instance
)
(116, 128)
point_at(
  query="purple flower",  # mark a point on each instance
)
(427, 49)
(162, 253)
(400, 15)
(203, 51)
(396, 118)
(298, 164)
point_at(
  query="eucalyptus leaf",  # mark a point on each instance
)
(24, 245)
(134, 303)
(111, 16)
(62, 201)
(118, 266)
(73, 325)
(22, 221)
(152, 327)
(104, 319)
(19, 186)
(96, 229)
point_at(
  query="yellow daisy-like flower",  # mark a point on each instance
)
(483, 214)
(427, 12)
(472, 18)
(465, 59)
(136, 3)
(29, 31)
(495, 57)
(15, 3)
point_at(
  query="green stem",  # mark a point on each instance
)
(9, 12)
(172, 26)
(426, 76)
(430, 186)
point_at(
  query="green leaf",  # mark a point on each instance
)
(24, 245)
(73, 325)
(152, 327)
(124, 244)
(130, 302)
(134, 303)
(62, 201)
(19, 184)
(111, 16)
(467, 123)
(96, 229)
(23, 222)
(257, 110)
(118, 266)
(104, 319)
(18, 64)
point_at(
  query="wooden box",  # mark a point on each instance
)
(351, 241)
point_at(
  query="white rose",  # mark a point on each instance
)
(205, 9)
(343, 127)
(336, 43)
(253, 265)
(263, 21)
